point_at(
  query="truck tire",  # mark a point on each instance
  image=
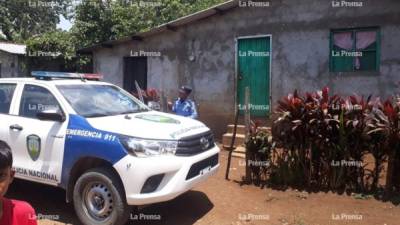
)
(99, 198)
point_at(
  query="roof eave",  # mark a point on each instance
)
(170, 26)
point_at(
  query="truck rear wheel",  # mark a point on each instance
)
(99, 198)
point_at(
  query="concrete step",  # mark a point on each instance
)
(239, 155)
(240, 149)
(227, 139)
(239, 152)
(265, 129)
(241, 129)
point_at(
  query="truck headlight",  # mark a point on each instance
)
(145, 148)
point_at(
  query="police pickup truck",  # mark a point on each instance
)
(107, 149)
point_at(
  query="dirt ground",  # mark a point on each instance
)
(221, 202)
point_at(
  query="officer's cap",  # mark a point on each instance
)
(185, 89)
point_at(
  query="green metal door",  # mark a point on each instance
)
(253, 57)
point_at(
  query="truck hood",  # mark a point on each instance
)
(149, 125)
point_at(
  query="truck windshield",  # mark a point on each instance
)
(100, 100)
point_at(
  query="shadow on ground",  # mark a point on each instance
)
(50, 201)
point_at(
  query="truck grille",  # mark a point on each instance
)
(206, 164)
(196, 144)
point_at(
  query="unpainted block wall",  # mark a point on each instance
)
(203, 54)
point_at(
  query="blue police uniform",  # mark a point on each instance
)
(185, 108)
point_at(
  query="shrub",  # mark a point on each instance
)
(384, 129)
(320, 140)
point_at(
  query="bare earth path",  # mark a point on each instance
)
(221, 202)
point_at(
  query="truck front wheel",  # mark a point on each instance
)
(99, 198)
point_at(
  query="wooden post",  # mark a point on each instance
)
(164, 102)
(231, 147)
(247, 121)
(139, 91)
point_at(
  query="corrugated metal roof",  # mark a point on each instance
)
(172, 25)
(13, 48)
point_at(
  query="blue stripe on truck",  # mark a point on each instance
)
(83, 140)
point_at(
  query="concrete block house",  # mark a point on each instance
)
(273, 47)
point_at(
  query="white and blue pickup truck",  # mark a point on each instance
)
(108, 150)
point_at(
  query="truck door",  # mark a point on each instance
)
(38, 145)
(7, 93)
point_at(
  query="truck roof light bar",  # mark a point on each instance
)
(46, 75)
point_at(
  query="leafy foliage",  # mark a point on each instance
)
(260, 146)
(93, 22)
(322, 140)
(98, 21)
(384, 129)
(22, 19)
(56, 42)
(55, 45)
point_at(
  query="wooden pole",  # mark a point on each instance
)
(231, 147)
(164, 102)
(139, 91)
(247, 121)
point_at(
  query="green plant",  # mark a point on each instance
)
(321, 140)
(259, 145)
(290, 132)
(384, 129)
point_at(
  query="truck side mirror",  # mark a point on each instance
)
(51, 115)
(154, 105)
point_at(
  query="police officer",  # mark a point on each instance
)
(184, 106)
